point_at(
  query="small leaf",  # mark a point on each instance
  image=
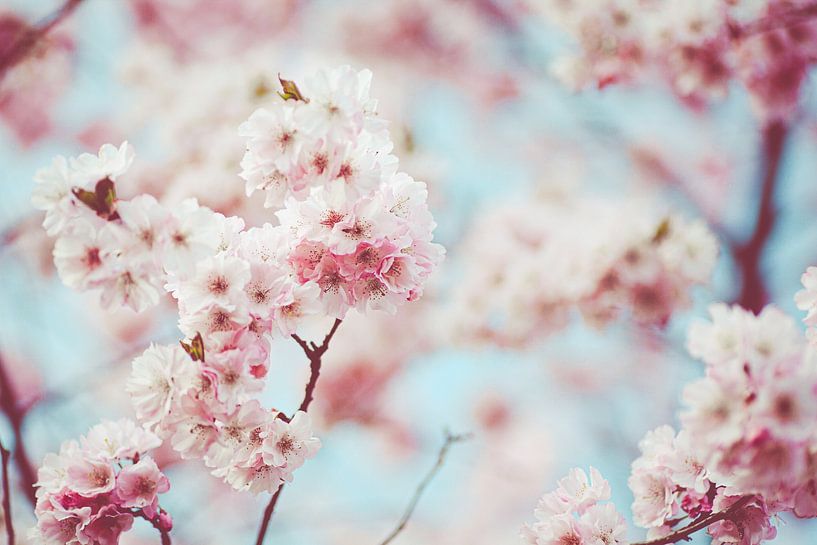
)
(88, 198)
(291, 91)
(102, 200)
(195, 349)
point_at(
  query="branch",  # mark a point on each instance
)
(449, 440)
(11, 407)
(19, 49)
(754, 293)
(7, 494)
(163, 532)
(684, 533)
(262, 532)
(314, 353)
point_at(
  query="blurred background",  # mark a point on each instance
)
(477, 113)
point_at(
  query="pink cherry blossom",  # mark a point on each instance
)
(137, 485)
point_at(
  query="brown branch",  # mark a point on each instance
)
(684, 533)
(314, 352)
(163, 532)
(21, 47)
(415, 499)
(10, 406)
(7, 494)
(262, 532)
(754, 292)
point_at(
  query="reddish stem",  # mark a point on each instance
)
(262, 532)
(684, 533)
(15, 414)
(754, 293)
(163, 532)
(7, 495)
(18, 49)
(314, 352)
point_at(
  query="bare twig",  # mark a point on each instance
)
(7, 495)
(15, 414)
(684, 533)
(19, 49)
(262, 532)
(314, 352)
(449, 440)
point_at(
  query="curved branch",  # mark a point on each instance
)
(684, 533)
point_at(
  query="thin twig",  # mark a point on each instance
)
(7, 494)
(15, 414)
(684, 533)
(314, 353)
(449, 440)
(20, 48)
(262, 532)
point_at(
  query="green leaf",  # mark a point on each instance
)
(195, 349)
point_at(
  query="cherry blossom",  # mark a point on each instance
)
(697, 47)
(531, 264)
(91, 491)
(573, 515)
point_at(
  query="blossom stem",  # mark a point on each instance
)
(754, 292)
(314, 352)
(15, 414)
(18, 49)
(262, 532)
(684, 533)
(7, 495)
(449, 440)
(163, 532)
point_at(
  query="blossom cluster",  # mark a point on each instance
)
(747, 432)
(529, 265)
(699, 47)
(353, 232)
(671, 485)
(93, 488)
(752, 416)
(205, 407)
(357, 228)
(747, 448)
(573, 514)
(120, 248)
